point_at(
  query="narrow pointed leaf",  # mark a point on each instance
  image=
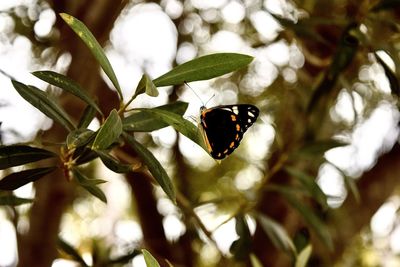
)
(303, 257)
(44, 103)
(180, 124)
(84, 155)
(18, 179)
(92, 182)
(277, 234)
(87, 37)
(112, 163)
(255, 262)
(345, 52)
(90, 185)
(16, 155)
(303, 28)
(350, 183)
(109, 132)
(310, 185)
(151, 88)
(67, 84)
(88, 115)
(149, 259)
(70, 251)
(311, 218)
(141, 122)
(96, 191)
(79, 137)
(241, 247)
(85, 181)
(154, 166)
(301, 238)
(318, 148)
(10, 200)
(204, 68)
(124, 258)
(147, 86)
(352, 187)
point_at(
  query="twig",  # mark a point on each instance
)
(7, 75)
(185, 205)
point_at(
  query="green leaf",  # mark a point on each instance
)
(204, 68)
(67, 84)
(311, 218)
(318, 148)
(87, 37)
(112, 163)
(88, 115)
(124, 258)
(154, 166)
(84, 155)
(277, 234)
(303, 256)
(91, 182)
(44, 103)
(109, 132)
(90, 185)
(345, 52)
(241, 247)
(70, 251)
(310, 185)
(149, 259)
(303, 28)
(180, 124)
(79, 137)
(255, 262)
(18, 179)
(349, 182)
(141, 122)
(16, 155)
(390, 75)
(301, 238)
(147, 86)
(84, 180)
(352, 186)
(11, 200)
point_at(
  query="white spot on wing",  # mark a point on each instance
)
(235, 110)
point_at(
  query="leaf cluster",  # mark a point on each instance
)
(82, 145)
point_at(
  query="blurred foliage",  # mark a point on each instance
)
(330, 45)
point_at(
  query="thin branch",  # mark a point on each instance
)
(185, 205)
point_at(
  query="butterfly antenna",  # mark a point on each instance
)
(209, 99)
(194, 93)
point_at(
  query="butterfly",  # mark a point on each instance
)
(223, 127)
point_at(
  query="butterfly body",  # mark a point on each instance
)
(224, 126)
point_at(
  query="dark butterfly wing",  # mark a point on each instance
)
(224, 127)
(247, 114)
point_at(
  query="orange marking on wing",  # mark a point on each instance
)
(205, 139)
